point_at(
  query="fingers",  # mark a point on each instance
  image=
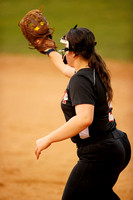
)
(37, 152)
(37, 149)
(41, 144)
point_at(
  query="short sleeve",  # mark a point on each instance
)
(81, 90)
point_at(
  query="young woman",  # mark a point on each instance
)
(103, 150)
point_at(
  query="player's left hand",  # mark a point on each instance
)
(41, 144)
(36, 30)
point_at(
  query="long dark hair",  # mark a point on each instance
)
(82, 42)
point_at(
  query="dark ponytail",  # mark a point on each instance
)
(82, 42)
(97, 63)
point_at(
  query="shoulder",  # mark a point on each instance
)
(81, 88)
(82, 77)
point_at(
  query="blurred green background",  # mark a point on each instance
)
(110, 20)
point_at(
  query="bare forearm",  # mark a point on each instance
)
(56, 59)
(82, 119)
(68, 130)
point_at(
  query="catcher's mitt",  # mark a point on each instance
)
(36, 30)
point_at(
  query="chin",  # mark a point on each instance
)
(70, 64)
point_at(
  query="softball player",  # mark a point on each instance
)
(103, 150)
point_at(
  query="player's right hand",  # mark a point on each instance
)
(41, 144)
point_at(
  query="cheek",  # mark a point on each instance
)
(69, 59)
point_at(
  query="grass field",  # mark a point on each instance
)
(111, 21)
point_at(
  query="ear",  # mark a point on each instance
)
(74, 54)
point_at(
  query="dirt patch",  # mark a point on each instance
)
(31, 90)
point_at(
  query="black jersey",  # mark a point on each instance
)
(85, 87)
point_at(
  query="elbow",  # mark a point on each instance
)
(86, 121)
(67, 72)
(85, 114)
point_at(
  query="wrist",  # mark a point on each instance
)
(49, 51)
(49, 139)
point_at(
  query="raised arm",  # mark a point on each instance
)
(36, 30)
(57, 60)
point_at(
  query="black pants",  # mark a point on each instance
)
(100, 163)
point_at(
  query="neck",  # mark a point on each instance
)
(80, 63)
